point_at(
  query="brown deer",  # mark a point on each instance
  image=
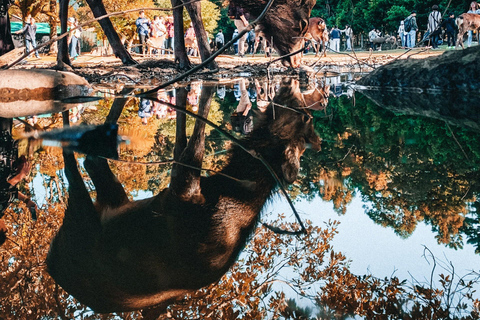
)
(466, 22)
(118, 255)
(317, 31)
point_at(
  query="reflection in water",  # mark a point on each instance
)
(408, 170)
(32, 92)
(118, 255)
(12, 170)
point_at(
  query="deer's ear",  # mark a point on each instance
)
(291, 163)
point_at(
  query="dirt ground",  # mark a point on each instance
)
(155, 70)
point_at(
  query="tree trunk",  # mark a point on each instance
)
(53, 26)
(98, 10)
(179, 41)
(62, 56)
(194, 11)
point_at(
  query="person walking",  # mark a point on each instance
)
(29, 33)
(240, 17)
(434, 20)
(411, 29)
(349, 36)
(6, 41)
(401, 33)
(335, 35)
(143, 30)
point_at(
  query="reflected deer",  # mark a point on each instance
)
(118, 255)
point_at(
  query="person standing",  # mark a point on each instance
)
(450, 30)
(401, 33)
(235, 45)
(191, 41)
(78, 35)
(29, 33)
(349, 36)
(411, 28)
(6, 41)
(473, 9)
(72, 38)
(335, 35)
(170, 33)
(143, 30)
(219, 39)
(251, 41)
(240, 17)
(372, 35)
(434, 19)
(158, 33)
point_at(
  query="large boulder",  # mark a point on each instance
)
(31, 92)
(453, 70)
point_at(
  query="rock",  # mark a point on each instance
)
(11, 56)
(453, 70)
(30, 92)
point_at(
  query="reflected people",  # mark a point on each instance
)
(13, 169)
(119, 255)
(242, 118)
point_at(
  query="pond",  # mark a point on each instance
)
(380, 218)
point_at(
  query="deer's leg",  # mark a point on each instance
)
(460, 35)
(110, 192)
(186, 182)
(80, 207)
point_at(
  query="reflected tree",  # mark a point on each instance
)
(408, 169)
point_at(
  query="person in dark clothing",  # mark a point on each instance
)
(251, 41)
(29, 32)
(450, 30)
(12, 171)
(6, 41)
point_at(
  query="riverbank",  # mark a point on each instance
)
(154, 70)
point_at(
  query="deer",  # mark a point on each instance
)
(317, 31)
(466, 22)
(117, 255)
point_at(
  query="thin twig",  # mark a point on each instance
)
(458, 143)
(175, 162)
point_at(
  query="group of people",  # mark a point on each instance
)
(158, 33)
(408, 28)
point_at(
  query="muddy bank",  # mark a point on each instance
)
(151, 71)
